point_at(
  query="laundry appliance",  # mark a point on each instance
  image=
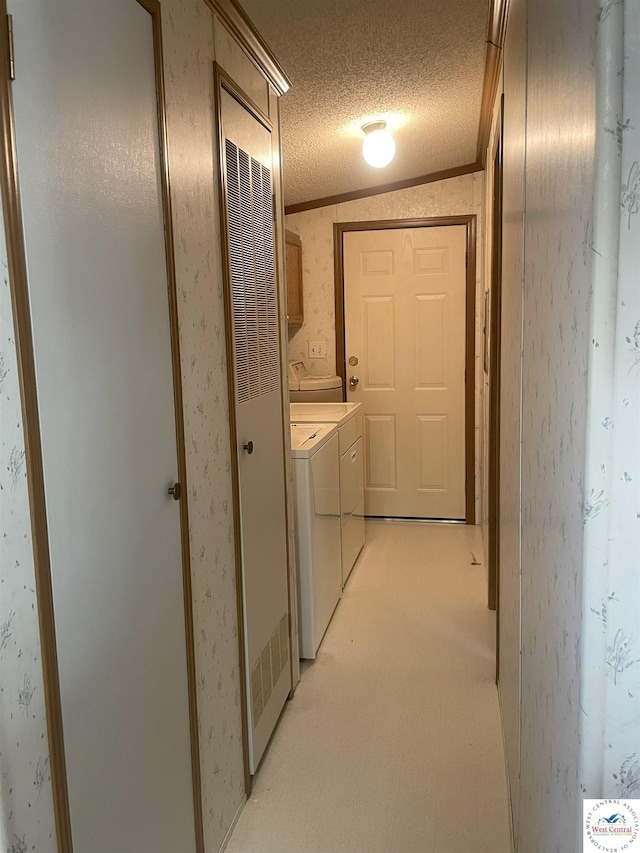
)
(304, 388)
(347, 417)
(316, 479)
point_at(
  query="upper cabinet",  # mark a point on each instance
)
(295, 312)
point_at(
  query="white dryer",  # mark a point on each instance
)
(348, 419)
(316, 470)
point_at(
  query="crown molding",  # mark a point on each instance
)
(367, 192)
(498, 14)
(240, 25)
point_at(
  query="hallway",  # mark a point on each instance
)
(392, 741)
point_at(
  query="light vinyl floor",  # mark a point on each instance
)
(392, 742)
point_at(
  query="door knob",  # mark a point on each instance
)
(248, 447)
(353, 382)
(175, 491)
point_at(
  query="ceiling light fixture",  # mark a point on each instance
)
(378, 148)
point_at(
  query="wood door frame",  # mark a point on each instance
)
(19, 288)
(223, 82)
(495, 359)
(470, 223)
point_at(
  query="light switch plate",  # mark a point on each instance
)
(317, 349)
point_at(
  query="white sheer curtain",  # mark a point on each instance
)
(611, 619)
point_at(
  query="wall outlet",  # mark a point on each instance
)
(317, 349)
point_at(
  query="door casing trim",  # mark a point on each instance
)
(495, 361)
(470, 223)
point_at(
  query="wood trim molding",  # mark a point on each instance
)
(17, 269)
(230, 86)
(240, 25)
(495, 360)
(470, 373)
(153, 7)
(498, 13)
(367, 192)
(220, 80)
(470, 221)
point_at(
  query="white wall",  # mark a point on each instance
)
(455, 196)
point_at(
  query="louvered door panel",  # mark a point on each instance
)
(253, 309)
(237, 274)
(253, 283)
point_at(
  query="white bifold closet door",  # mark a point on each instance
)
(89, 168)
(259, 433)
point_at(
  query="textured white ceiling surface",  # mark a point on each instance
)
(418, 63)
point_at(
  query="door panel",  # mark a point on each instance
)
(432, 451)
(430, 339)
(380, 454)
(89, 165)
(379, 342)
(259, 420)
(405, 298)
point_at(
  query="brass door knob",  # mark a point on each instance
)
(353, 382)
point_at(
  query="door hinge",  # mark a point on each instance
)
(12, 64)
(466, 259)
(273, 206)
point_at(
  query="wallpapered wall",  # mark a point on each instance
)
(189, 46)
(455, 196)
(558, 186)
(26, 800)
(548, 85)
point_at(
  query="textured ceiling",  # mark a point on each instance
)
(420, 63)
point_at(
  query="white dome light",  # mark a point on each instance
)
(378, 148)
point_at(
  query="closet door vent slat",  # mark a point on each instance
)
(253, 283)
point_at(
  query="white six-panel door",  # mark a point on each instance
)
(404, 298)
(89, 167)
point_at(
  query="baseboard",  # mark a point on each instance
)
(506, 769)
(236, 817)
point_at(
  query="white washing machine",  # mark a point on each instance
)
(316, 478)
(348, 419)
(312, 389)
